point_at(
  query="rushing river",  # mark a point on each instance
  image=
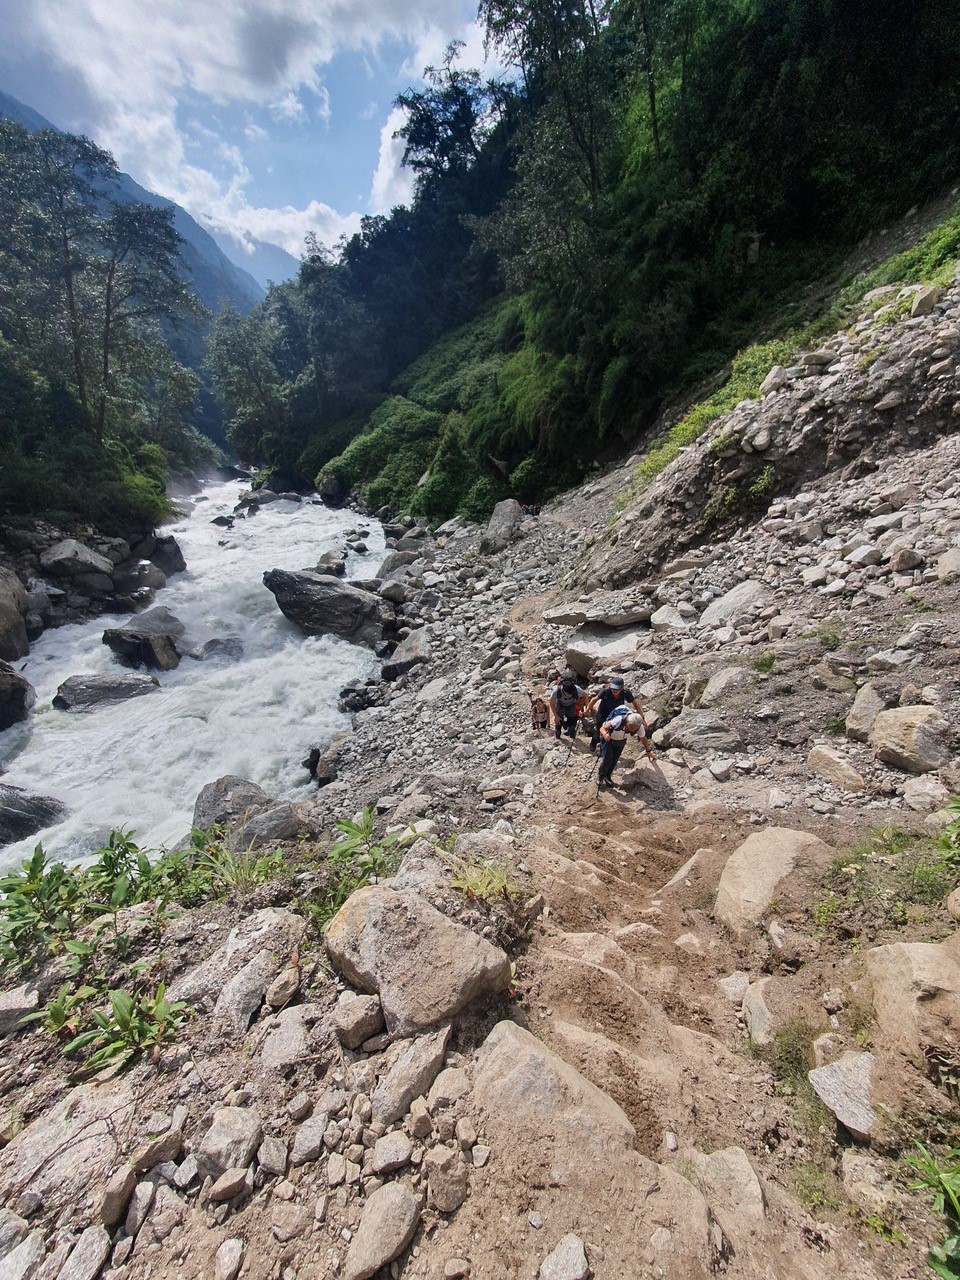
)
(139, 764)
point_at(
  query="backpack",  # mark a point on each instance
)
(568, 695)
(615, 722)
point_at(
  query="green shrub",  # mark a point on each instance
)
(134, 1023)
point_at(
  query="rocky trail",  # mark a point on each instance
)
(688, 1028)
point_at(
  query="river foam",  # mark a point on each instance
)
(139, 764)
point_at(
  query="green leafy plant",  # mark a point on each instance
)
(133, 1024)
(764, 662)
(223, 870)
(365, 855)
(61, 1015)
(943, 1179)
(40, 905)
(480, 880)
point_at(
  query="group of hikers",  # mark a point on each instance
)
(611, 716)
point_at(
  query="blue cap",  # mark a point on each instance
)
(616, 682)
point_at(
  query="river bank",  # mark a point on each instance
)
(249, 697)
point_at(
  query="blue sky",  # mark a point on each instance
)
(265, 119)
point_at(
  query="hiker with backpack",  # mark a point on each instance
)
(621, 724)
(604, 703)
(568, 703)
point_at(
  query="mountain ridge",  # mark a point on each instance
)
(214, 278)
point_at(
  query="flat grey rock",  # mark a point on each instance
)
(844, 1089)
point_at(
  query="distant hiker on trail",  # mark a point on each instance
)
(614, 732)
(539, 714)
(567, 702)
(610, 697)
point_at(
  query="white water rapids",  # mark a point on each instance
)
(140, 764)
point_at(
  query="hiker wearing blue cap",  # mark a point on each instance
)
(610, 697)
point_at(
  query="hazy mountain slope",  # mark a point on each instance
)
(215, 279)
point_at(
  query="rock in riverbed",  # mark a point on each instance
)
(83, 693)
(321, 605)
(148, 640)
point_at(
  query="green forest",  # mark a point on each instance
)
(94, 408)
(650, 187)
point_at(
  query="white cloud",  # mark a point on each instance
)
(286, 227)
(392, 184)
(432, 45)
(289, 107)
(120, 73)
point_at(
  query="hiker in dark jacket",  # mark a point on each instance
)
(567, 702)
(610, 697)
(621, 724)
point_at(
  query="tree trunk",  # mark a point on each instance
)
(105, 352)
(649, 75)
(75, 334)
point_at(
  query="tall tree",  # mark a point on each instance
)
(245, 377)
(138, 286)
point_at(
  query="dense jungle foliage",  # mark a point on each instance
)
(651, 187)
(94, 406)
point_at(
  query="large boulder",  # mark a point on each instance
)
(502, 526)
(228, 801)
(393, 561)
(742, 599)
(230, 1142)
(730, 1183)
(148, 640)
(552, 1127)
(167, 555)
(83, 693)
(22, 814)
(832, 765)
(412, 1067)
(284, 821)
(701, 731)
(71, 1147)
(521, 1082)
(321, 605)
(408, 654)
(861, 717)
(69, 559)
(725, 681)
(754, 872)
(595, 646)
(916, 996)
(915, 739)
(137, 581)
(13, 605)
(17, 696)
(609, 609)
(424, 967)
